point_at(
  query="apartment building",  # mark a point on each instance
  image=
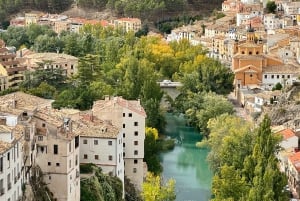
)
(32, 18)
(58, 153)
(50, 60)
(101, 143)
(11, 71)
(129, 116)
(11, 161)
(128, 24)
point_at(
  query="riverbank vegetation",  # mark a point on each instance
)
(243, 160)
(97, 186)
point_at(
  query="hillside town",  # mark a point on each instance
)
(260, 46)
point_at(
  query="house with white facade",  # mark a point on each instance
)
(58, 153)
(129, 116)
(11, 161)
(285, 74)
(101, 143)
(271, 22)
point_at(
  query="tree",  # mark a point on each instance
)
(155, 190)
(151, 151)
(271, 7)
(261, 167)
(277, 86)
(201, 107)
(227, 134)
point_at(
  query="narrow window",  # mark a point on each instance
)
(95, 142)
(136, 123)
(136, 152)
(55, 149)
(136, 133)
(109, 142)
(110, 157)
(85, 156)
(96, 157)
(135, 161)
(136, 142)
(130, 114)
(84, 141)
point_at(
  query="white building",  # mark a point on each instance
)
(58, 153)
(101, 143)
(11, 161)
(283, 74)
(129, 116)
(271, 21)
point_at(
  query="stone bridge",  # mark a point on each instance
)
(170, 89)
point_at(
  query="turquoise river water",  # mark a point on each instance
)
(186, 163)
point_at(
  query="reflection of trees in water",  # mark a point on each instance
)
(190, 157)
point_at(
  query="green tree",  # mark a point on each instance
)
(155, 190)
(271, 7)
(151, 151)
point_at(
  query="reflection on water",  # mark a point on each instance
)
(186, 163)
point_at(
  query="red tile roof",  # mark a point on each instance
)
(287, 133)
(295, 160)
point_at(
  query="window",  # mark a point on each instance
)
(123, 144)
(8, 156)
(76, 142)
(85, 156)
(257, 52)
(272, 76)
(136, 123)
(136, 152)
(95, 142)
(49, 163)
(55, 149)
(288, 76)
(130, 115)
(135, 161)
(72, 67)
(70, 147)
(84, 141)
(1, 164)
(277, 76)
(109, 142)
(123, 114)
(250, 53)
(96, 157)
(110, 157)
(124, 156)
(243, 52)
(123, 125)
(136, 133)
(282, 76)
(266, 76)
(43, 125)
(251, 75)
(40, 138)
(136, 142)
(49, 177)
(123, 134)
(134, 170)
(57, 164)
(76, 160)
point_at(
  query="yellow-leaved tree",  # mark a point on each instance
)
(155, 190)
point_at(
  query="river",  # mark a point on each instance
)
(186, 163)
